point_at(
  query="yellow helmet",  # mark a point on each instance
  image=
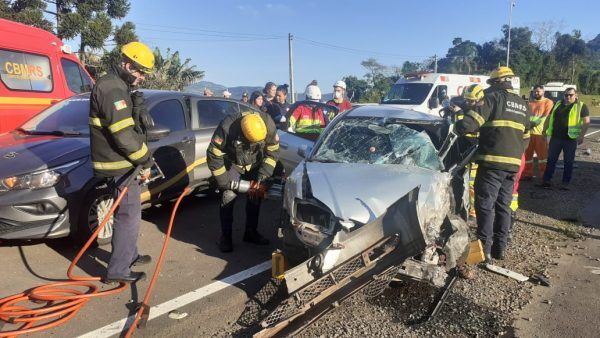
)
(140, 54)
(501, 72)
(254, 128)
(473, 92)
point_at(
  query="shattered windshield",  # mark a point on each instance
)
(378, 141)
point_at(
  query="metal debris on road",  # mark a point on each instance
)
(177, 315)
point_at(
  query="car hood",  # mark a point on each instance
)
(363, 192)
(21, 154)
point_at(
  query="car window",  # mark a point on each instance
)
(378, 141)
(73, 76)
(169, 114)
(212, 112)
(408, 93)
(67, 115)
(24, 71)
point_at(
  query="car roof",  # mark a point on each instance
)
(154, 94)
(395, 112)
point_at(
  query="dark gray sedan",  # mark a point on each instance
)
(47, 189)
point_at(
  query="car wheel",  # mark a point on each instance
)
(96, 207)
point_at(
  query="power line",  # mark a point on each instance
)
(353, 50)
(211, 40)
(189, 30)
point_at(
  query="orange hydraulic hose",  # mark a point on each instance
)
(144, 309)
(62, 300)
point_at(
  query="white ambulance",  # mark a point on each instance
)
(556, 90)
(426, 92)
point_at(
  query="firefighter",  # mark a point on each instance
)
(473, 97)
(502, 120)
(245, 146)
(118, 146)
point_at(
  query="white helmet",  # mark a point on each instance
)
(313, 93)
(340, 84)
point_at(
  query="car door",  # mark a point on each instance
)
(207, 114)
(174, 152)
(295, 147)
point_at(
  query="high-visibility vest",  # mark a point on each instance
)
(574, 123)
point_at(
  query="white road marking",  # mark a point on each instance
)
(176, 303)
(592, 133)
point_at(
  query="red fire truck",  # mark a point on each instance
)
(36, 70)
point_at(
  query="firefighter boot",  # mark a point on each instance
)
(226, 243)
(252, 236)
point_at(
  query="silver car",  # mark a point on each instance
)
(375, 173)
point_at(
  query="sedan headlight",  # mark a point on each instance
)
(37, 180)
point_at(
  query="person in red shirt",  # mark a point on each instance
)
(339, 98)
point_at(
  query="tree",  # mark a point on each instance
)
(463, 55)
(356, 88)
(374, 68)
(89, 19)
(29, 12)
(171, 73)
(409, 67)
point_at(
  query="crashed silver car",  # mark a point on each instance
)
(378, 177)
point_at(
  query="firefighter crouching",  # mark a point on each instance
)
(501, 120)
(244, 150)
(118, 146)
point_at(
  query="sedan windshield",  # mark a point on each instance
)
(68, 117)
(378, 141)
(408, 93)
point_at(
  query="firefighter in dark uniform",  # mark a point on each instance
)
(502, 121)
(118, 146)
(244, 146)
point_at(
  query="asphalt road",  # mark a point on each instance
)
(191, 270)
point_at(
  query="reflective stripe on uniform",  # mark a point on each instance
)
(270, 162)
(504, 123)
(514, 204)
(112, 165)
(500, 159)
(120, 125)
(216, 151)
(94, 121)
(219, 171)
(478, 118)
(273, 147)
(139, 154)
(246, 168)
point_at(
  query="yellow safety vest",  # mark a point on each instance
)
(574, 123)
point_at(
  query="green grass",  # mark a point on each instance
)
(594, 110)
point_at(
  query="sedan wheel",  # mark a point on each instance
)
(96, 213)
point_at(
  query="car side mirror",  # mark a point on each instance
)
(157, 132)
(434, 102)
(304, 151)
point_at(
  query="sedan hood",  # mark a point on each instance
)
(21, 154)
(363, 192)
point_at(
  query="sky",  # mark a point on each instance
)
(245, 42)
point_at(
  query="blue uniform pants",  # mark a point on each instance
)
(493, 194)
(126, 227)
(568, 147)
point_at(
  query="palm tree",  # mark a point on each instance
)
(170, 73)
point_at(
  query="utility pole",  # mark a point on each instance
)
(573, 72)
(435, 63)
(511, 5)
(291, 59)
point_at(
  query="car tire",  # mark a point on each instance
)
(97, 204)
